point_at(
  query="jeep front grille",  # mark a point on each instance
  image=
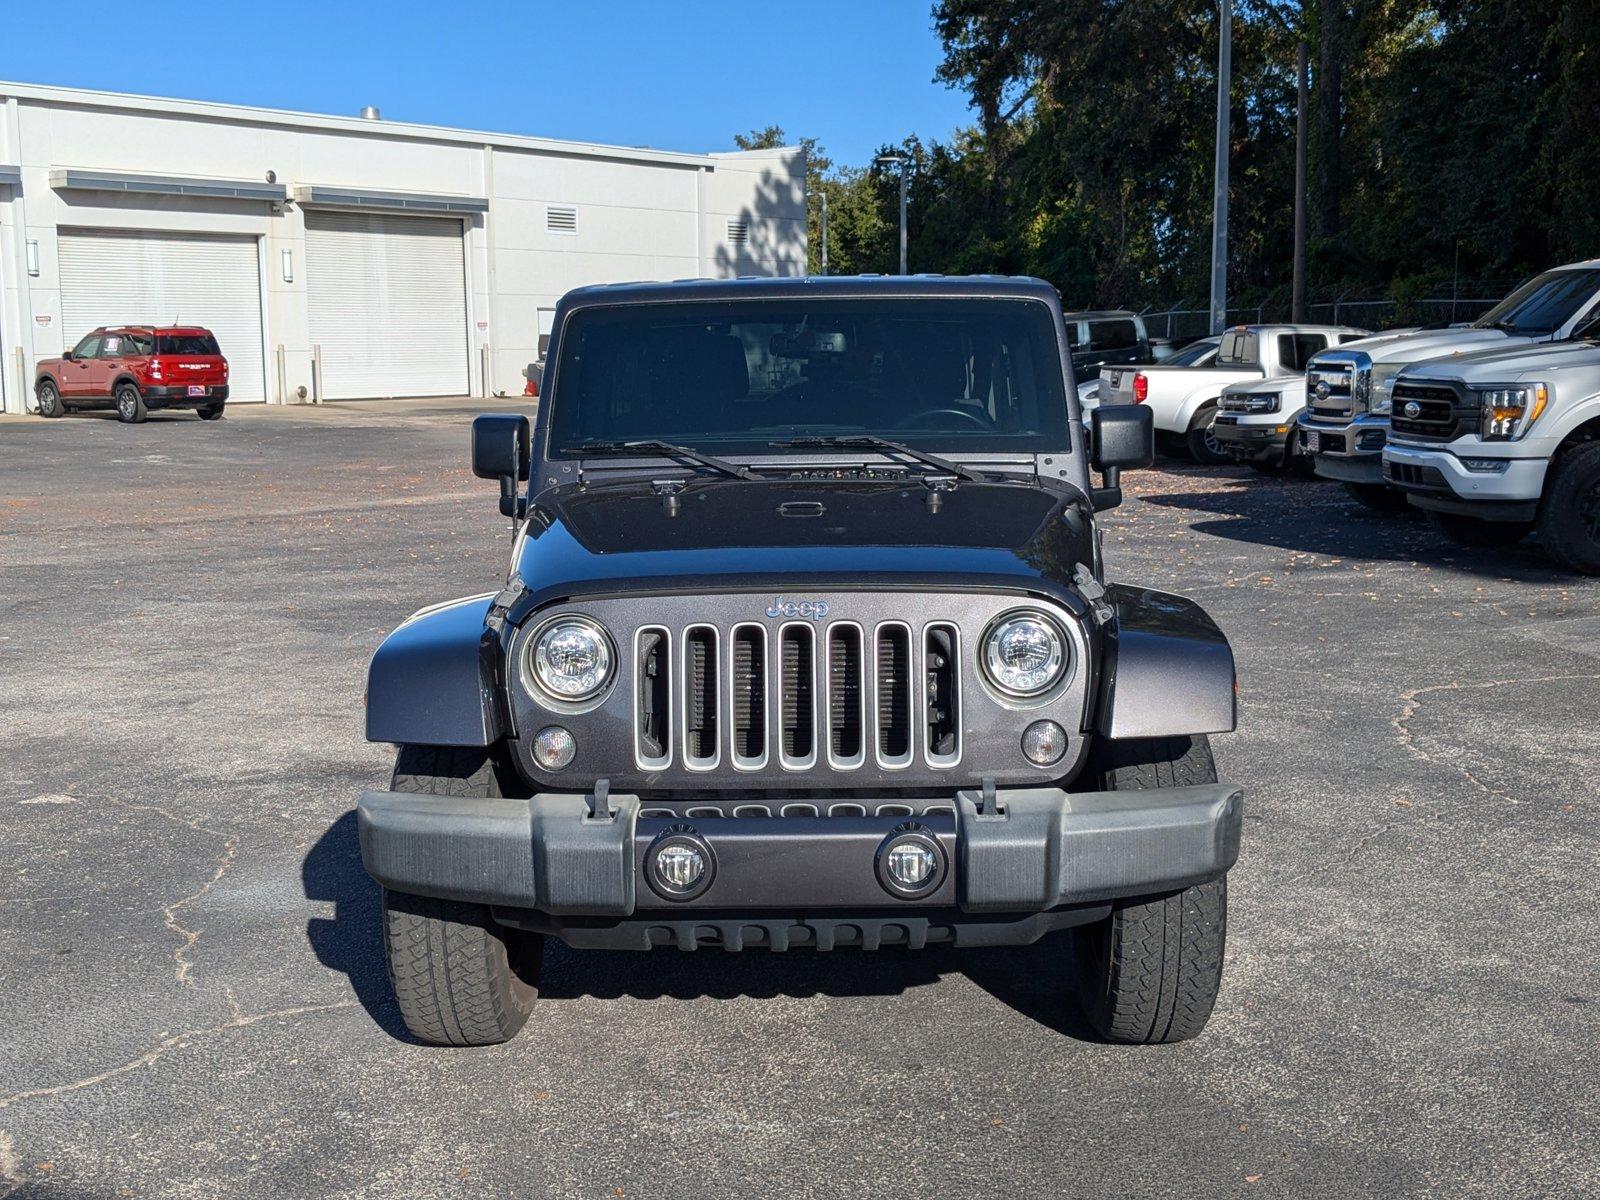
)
(877, 699)
(813, 704)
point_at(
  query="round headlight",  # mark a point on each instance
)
(1024, 654)
(571, 658)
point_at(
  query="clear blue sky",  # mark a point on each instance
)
(675, 74)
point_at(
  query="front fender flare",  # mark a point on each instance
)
(1169, 669)
(433, 680)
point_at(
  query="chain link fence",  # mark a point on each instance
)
(1186, 323)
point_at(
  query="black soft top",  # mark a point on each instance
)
(1020, 287)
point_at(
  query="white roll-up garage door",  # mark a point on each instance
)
(387, 297)
(128, 277)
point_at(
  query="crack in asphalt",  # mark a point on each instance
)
(1411, 702)
(237, 1020)
(169, 912)
(12, 1175)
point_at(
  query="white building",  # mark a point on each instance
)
(405, 259)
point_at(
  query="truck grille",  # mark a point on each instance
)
(821, 696)
(1441, 415)
(1339, 404)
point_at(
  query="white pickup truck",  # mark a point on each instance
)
(1184, 399)
(1496, 444)
(1345, 423)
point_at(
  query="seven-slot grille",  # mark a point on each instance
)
(1441, 414)
(801, 694)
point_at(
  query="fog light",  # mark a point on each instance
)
(679, 865)
(1044, 742)
(554, 747)
(1487, 466)
(910, 863)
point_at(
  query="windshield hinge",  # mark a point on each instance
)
(1093, 592)
(501, 604)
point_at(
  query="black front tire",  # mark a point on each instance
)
(1379, 497)
(211, 412)
(49, 400)
(1476, 533)
(1202, 444)
(1150, 972)
(1569, 515)
(130, 404)
(459, 978)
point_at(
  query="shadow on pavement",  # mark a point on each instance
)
(352, 940)
(1034, 980)
(1317, 516)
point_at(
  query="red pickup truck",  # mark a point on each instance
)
(136, 368)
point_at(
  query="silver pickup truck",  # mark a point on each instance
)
(1183, 399)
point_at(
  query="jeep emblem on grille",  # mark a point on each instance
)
(808, 610)
(1412, 409)
(1322, 389)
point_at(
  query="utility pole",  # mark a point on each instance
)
(1219, 211)
(904, 161)
(904, 166)
(824, 231)
(1297, 306)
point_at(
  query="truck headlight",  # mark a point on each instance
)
(1507, 411)
(571, 658)
(1024, 654)
(1381, 395)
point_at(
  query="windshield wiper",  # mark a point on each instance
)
(869, 441)
(669, 450)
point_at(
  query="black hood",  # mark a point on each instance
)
(783, 534)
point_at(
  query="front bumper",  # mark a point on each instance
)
(1024, 852)
(1437, 478)
(1351, 452)
(1253, 443)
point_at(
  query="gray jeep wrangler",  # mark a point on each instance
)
(805, 644)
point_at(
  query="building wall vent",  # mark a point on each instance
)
(738, 231)
(561, 220)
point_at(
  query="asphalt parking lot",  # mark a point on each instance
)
(194, 1000)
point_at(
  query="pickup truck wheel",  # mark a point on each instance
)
(211, 412)
(49, 399)
(1150, 972)
(1379, 497)
(459, 978)
(1478, 533)
(1569, 516)
(130, 405)
(1202, 444)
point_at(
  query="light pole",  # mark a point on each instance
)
(1219, 211)
(904, 161)
(824, 232)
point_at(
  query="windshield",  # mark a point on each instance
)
(186, 343)
(1544, 304)
(940, 374)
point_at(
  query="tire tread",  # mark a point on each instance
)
(1150, 972)
(459, 978)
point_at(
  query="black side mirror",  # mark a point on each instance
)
(502, 449)
(1120, 435)
(66, 356)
